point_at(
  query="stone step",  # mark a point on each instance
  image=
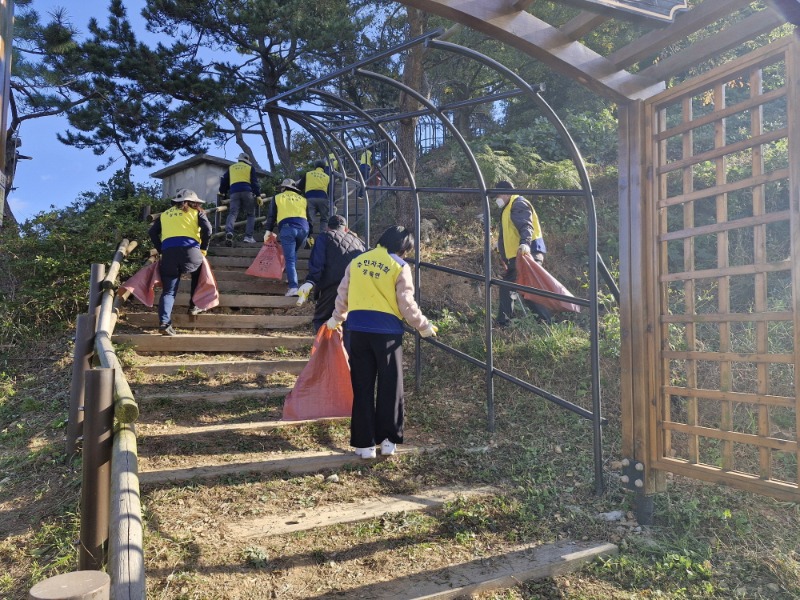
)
(238, 367)
(143, 342)
(213, 321)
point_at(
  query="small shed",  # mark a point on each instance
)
(200, 173)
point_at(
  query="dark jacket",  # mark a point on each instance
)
(332, 252)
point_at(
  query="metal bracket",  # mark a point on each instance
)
(632, 474)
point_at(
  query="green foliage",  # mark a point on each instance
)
(47, 267)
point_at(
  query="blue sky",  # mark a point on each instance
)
(58, 174)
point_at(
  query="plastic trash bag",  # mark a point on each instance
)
(206, 294)
(323, 388)
(142, 283)
(269, 262)
(532, 274)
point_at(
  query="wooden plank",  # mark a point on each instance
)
(530, 562)
(257, 286)
(761, 317)
(213, 321)
(246, 301)
(582, 24)
(783, 265)
(299, 462)
(362, 509)
(213, 396)
(753, 357)
(251, 251)
(232, 275)
(261, 367)
(724, 226)
(742, 184)
(178, 430)
(144, 342)
(741, 397)
(704, 49)
(218, 262)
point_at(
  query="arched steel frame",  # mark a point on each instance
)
(596, 266)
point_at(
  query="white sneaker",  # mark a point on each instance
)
(366, 452)
(292, 292)
(388, 448)
(249, 240)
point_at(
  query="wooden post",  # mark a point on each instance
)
(98, 273)
(84, 343)
(126, 535)
(95, 491)
(78, 585)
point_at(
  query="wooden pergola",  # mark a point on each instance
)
(709, 196)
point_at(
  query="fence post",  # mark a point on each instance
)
(78, 585)
(95, 490)
(98, 273)
(84, 344)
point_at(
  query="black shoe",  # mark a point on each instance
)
(501, 323)
(195, 310)
(229, 240)
(167, 330)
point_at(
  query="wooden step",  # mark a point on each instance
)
(256, 286)
(214, 397)
(241, 275)
(243, 262)
(246, 301)
(250, 251)
(238, 367)
(305, 462)
(203, 430)
(144, 342)
(213, 321)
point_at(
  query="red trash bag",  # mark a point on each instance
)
(141, 283)
(532, 274)
(269, 263)
(323, 389)
(206, 295)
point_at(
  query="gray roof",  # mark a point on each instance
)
(194, 161)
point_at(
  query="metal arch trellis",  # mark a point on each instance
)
(596, 266)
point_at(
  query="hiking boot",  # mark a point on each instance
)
(229, 240)
(249, 240)
(366, 452)
(292, 292)
(388, 448)
(167, 330)
(195, 310)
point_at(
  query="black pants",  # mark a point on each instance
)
(376, 365)
(506, 309)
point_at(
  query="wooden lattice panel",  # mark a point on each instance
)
(726, 270)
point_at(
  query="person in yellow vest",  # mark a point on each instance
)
(241, 183)
(365, 166)
(181, 236)
(314, 185)
(333, 164)
(375, 295)
(290, 212)
(519, 232)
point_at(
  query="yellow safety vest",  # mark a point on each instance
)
(176, 223)
(366, 158)
(373, 276)
(240, 173)
(290, 204)
(317, 180)
(511, 236)
(333, 161)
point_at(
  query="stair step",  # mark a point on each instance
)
(351, 512)
(144, 342)
(238, 367)
(240, 275)
(255, 286)
(305, 462)
(177, 430)
(243, 262)
(214, 321)
(246, 300)
(214, 397)
(249, 251)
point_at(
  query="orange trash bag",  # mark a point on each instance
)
(270, 262)
(532, 274)
(323, 389)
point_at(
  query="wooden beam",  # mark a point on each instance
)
(545, 43)
(236, 367)
(213, 321)
(686, 23)
(582, 24)
(761, 22)
(144, 342)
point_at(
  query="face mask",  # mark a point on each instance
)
(500, 202)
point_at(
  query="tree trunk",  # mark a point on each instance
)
(413, 77)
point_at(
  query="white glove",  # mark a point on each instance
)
(333, 323)
(268, 235)
(524, 249)
(304, 292)
(429, 331)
